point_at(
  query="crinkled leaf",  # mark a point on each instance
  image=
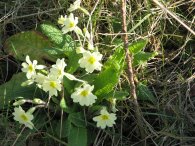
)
(137, 46)
(109, 76)
(144, 93)
(29, 43)
(141, 58)
(116, 60)
(52, 51)
(52, 32)
(13, 89)
(119, 95)
(68, 49)
(65, 129)
(69, 45)
(77, 136)
(77, 119)
(106, 81)
(73, 60)
(68, 85)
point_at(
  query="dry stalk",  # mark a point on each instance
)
(128, 56)
(173, 15)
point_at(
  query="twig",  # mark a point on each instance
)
(56, 139)
(18, 136)
(173, 15)
(130, 72)
(24, 16)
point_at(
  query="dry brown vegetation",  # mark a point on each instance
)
(170, 75)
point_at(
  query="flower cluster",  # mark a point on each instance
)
(50, 80)
(90, 60)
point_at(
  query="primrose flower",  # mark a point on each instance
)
(61, 20)
(30, 67)
(90, 61)
(39, 79)
(23, 117)
(105, 119)
(80, 50)
(90, 45)
(70, 24)
(74, 6)
(84, 96)
(52, 84)
(58, 68)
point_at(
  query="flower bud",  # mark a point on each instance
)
(19, 102)
(38, 101)
(31, 110)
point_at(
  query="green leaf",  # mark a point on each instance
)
(141, 58)
(137, 46)
(119, 95)
(73, 60)
(144, 93)
(77, 119)
(65, 131)
(69, 45)
(52, 51)
(53, 33)
(77, 136)
(106, 81)
(68, 85)
(55, 100)
(29, 43)
(13, 89)
(116, 60)
(68, 49)
(109, 76)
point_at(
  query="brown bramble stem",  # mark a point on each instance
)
(128, 57)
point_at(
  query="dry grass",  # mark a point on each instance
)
(171, 75)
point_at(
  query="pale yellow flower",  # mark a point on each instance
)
(30, 67)
(61, 20)
(90, 61)
(74, 6)
(58, 68)
(80, 50)
(52, 84)
(70, 24)
(84, 96)
(105, 119)
(23, 117)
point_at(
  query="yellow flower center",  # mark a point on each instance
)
(104, 117)
(53, 84)
(84, 93)
(71, 24)
(59, 72)
(92, 60)
(30, 68)
(24, 117)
